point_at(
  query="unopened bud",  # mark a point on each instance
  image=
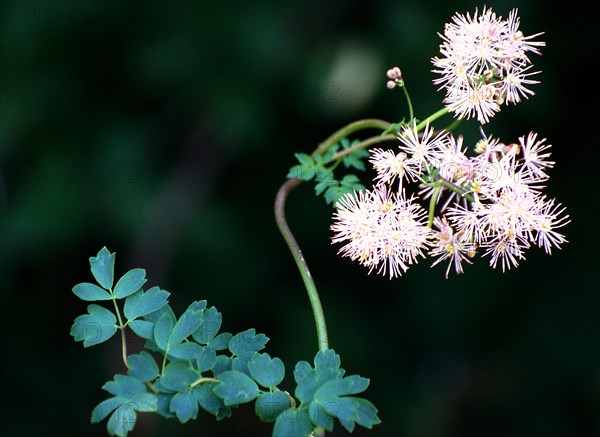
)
(394, 73)
(390, 84)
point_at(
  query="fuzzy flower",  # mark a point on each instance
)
(450, 246)
(484, 63)
(422, 147)
(391, 166)
(381, 230)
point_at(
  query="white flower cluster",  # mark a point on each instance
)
(493, 202)
(484, 63)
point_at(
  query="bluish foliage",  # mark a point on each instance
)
(189, 366)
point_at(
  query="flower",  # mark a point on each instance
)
(484, 63)
(421, 147)
(381, 230)
(450, 246)
(390, 165)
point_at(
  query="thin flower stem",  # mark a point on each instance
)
(433, 202)
(411, 114)
(433, 117)
(311, 289)
(342, 133)
(203, 380)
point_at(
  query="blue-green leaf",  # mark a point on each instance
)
(90, 292)
(124, 386)
(104, 408)
(155, 315)
(162, 331)
(142, 367)
(142, 303)
(103, 267)
(320, 417)
(129, 283)
(209, 327)
(185, 351)
(327, 359)
(221, 341)
(184, 405)
(266, 371)
(235, 388)
(143, 328)
(222, 364)
(340, 387)
(270, 405)
(301, 371)
(206, 359)
(350, 410)
(293, 423)
(185, 326)
(247, 341)
(163, 404)
(207, 399)
(94, 328)
(178, 375)
(240, 363)
(122, 421)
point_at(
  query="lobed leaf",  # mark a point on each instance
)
(267, 371)
(94, 328)
(247, 341)
(129, 283)
(142, 303)
(103, 267)
(235, 388)
(90, 292)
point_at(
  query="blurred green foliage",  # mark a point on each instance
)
(163, 130)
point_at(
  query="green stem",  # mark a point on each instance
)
(311, 289)
(363, 145)
(432, 118)
(122, 329)
(411, 114)
(203, 380)
(432, 202)
(456, 189)
(368, 123)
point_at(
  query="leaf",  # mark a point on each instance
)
(325, 183)
(206, 359)
(270, 405)
(188, 323)
(142, 367)
(184, 405)
(90, 292)
(178, 375)
(319, 416)
(221, 341)
(222, 364)
(123, 411)
(240, 363)
(185, 351)
(129, 283)
(155, 315)
(267, 371)
(142, 328)
(162, 331)
(142, 303)
(163, 404)
(350, 385)
(293, 423)
(351, 182)
(247, 341)
(94, 328)
(104, 408)
(351, 410)
(304, 159)
(122, 421)
(103, 267)
(209, 327)
(207, 399)
(235, 388)
(306, 170)
(327, 359)
(124, 386)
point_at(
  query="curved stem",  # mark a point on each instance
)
(411, 114)
(203, 380)
(350, 128)
(311, 289)
(363, 145)
(433, 117)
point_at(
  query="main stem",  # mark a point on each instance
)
(311, 289)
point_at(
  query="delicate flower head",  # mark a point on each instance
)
(484, 63)
(391, 166)
(422, 147)
(451, 246)
(381, 230)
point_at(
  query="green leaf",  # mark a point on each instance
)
(104, 408)
(124, 386)
(267, 371)
(184, 405)
(304, 159)
(162, 331)
(103, 267)
(207, 399)
(94, 328)
(188, 323)
(325, 183)
(240, 363)
(350, 410)
(122, 421)
(206, 359)
(142, 367)
(129, 283)
(319, 416)
(209, 327)
(247, 341)
(142, 328)
(327, 359)
(270, 405)
(185, 351)
(155, 315)
(178, 375)
(163, 404)
(352, 182)
(222, 364)
(90, 292)
(350, 385)
(142, 303)
(221, 341)
(293, 423)
(235, 388)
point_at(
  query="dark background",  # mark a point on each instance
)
(163, 131)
